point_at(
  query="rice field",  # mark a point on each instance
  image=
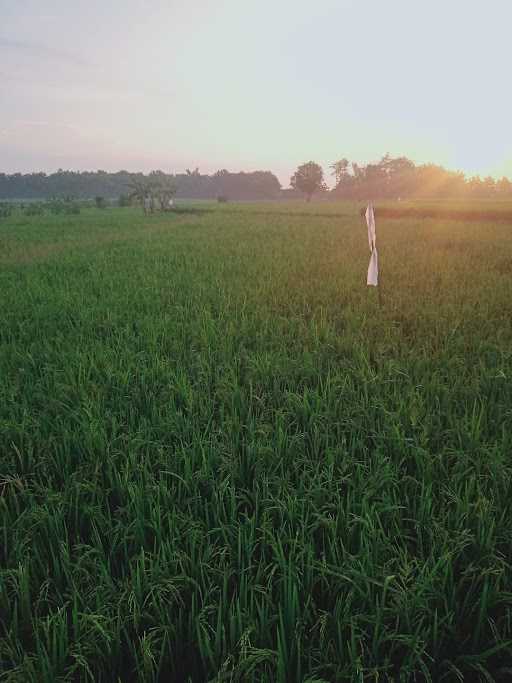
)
(222, 458)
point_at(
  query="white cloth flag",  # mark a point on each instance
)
(373, 268)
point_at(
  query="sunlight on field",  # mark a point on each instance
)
(222, 459)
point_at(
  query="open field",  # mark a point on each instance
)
(222, 460)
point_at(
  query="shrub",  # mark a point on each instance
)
(66, 206)
(5, 210)
(55, 206)
(34, 209)
(72, 208)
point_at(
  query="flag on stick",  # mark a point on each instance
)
(373, 267)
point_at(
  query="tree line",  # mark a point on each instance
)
(389, 178)
(396, 178)
(399, 177)
(88, 184)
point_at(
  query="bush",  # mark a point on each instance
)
(66, 206)
(34, 209)
(55, 206)
(222, 199)
(5, 210)
(101, 202)
(72, 208)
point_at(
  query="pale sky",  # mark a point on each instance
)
(254, 84)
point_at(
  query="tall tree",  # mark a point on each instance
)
(308, 178)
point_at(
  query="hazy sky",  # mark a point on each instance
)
(254, 84)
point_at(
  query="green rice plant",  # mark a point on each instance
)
(221, 458)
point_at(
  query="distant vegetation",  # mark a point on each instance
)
(447, 212)
(393, 178)
(89, 184)
(53, 205)
(390, 178)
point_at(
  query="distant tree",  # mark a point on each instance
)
(157, 190)
(140, 191)
(489, 187)
(101, 202)
(308, 179)
(162, 188)
(375, 181)
(504, 188)
(397, 177)
(476, 187)
(339, 169)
